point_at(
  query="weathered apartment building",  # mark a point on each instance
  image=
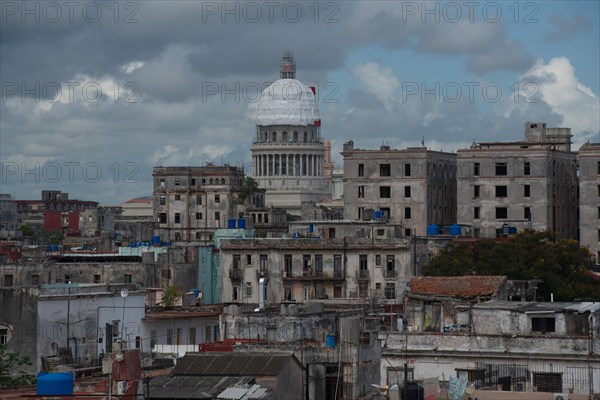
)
(337, 345)
(191, 202)
(77, 324)
(272, 271)
(528, 184)
(414, 187)
(589, 198)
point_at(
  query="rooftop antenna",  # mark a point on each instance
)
(287, 69)
(423, 141)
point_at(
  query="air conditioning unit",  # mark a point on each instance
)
(561, 396)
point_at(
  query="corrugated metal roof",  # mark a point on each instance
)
(233, 364)
(254, 392)
(584, 307)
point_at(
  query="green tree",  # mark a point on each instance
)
(562, 265)
(249, 186)
(171, 295)
(11, 372)
(27, 230)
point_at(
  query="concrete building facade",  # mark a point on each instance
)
(589, 198)
(508, 346)
(288, 153)
(282, 270)
(191, 202)
(414, 187)
(529, 184)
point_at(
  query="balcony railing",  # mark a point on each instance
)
(313, 275)
(236, 273)
(390, 274)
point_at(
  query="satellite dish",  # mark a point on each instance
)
(124, 292)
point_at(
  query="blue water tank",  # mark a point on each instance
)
(155, 240)
(54, 247)
(433, 230)
(378, 214)
(49, 247)
(231, 223)
(512, 230)
(310, 228)
(54, 384)
(241, 223)
(455, 230)
(330, 341)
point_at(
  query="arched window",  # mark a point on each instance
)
(210, 181)
(284, 137)
(222, 181)
(274, 138)
(305, 137)
(295, 136)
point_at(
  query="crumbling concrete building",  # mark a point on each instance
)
(505, 187)
(337, 346)
(286, 269)
(413, 187)
(589, 198)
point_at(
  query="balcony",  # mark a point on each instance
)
(236, 274)
(390, 274)
(363, 274)
(310, 275)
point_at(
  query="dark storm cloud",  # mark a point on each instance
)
(182, 48)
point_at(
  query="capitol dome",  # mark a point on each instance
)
(287, 101)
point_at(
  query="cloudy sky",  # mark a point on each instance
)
(94, 94)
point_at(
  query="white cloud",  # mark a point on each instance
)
(381, 82)
(132, 66)
(162, 154)
(558, 86)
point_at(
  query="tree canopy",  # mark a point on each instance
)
(562, 265)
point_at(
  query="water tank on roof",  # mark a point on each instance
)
(54, 384)
(512, 230)
(231, 223)
(155, 240)
(455, 230)
(433, 230)
(378, 214)
(310, 228)
(241, 223)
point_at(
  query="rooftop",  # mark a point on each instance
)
(232, 364)
(465, 287)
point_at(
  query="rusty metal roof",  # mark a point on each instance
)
(233, 364)
(465, 287)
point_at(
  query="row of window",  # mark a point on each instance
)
(162, 217)
(384, 170)
(501, 168)
(385, 192)
(502, 191)
(204, 181)
(502, 213)
(266, 138)
(163, 199)
(176, 336)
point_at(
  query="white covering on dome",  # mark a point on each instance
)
(287, 102)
